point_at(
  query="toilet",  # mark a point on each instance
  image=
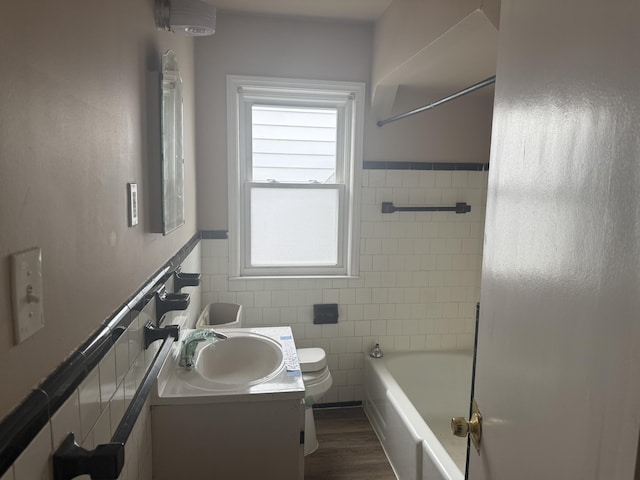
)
(317, 380)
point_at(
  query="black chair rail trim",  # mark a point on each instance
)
(440, 166)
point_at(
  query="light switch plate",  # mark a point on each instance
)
(26, 293)
(132, 189)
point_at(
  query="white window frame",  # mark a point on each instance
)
(348, 98)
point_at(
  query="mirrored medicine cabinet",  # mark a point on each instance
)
(173, 214)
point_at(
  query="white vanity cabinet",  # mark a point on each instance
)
(201, 433)
(231, 441)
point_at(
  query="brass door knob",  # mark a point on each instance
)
(461, 427)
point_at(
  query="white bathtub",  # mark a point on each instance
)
(410, 398)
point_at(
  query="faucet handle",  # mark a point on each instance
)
(218, 335)
(153, 333)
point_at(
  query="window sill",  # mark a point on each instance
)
(297, 277)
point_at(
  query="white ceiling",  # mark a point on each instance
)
(363, 10)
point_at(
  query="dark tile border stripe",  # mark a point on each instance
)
(22, 425)
(470, 167)
(214, 234)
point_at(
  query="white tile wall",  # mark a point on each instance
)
(418, 285)
(66, 419)
(89, 392)
(108, 384)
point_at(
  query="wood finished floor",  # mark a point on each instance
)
(349, 449)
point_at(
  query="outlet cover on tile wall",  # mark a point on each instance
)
(325, 313)
(132, 190)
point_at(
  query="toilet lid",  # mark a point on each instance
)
(311, 359)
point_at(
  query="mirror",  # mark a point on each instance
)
(172, 154)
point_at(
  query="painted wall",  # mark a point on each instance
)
(407, 26)
(458, 131)
(319, 50)
(73, 131)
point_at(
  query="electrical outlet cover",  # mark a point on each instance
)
(133, 203)
(325, 313)
(26, 293)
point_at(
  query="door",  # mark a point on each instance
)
(558, 356)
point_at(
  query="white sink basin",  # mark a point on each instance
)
(240, 361)
(251, 362)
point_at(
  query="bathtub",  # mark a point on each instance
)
(410, 398)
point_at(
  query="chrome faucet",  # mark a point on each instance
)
(190, 343)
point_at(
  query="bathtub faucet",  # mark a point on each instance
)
(190, 343)
(376, 351)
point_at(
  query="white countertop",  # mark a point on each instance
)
(172, 389)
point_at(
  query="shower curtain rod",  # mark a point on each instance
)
(453, 96)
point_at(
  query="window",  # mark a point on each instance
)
(295, 150)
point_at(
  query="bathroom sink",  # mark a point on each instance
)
(205, 367)
(241, 360)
